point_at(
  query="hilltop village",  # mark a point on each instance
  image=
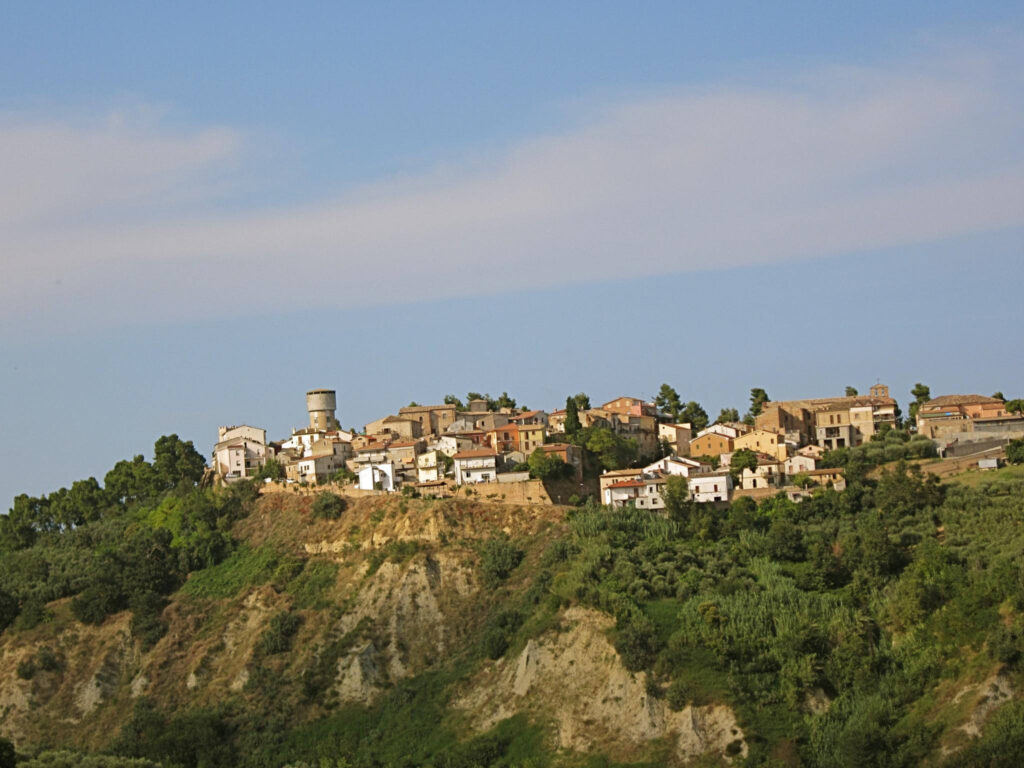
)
(629, 445)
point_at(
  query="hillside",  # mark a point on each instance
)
(880, 626)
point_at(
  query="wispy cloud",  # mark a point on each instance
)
(823, 163)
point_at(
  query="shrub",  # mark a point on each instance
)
(1015, 452)
(498, 558)
(328, 506)
(677, 695)
(147, 624)
(278, 636)
(48, 659)
(636, 642)
(8, 610)
(26, 669)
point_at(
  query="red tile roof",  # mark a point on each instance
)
(477, 454)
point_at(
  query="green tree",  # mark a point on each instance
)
(85, 502)
(23, 523)
(131, 481)
(176, 461)
(851, 391)
(668, 402)
(694, 415)
(453, 400)
(727, 414)
(999, 396)
(758, 397)
(272, 469)
(1015, 406)
(572, 416)
(612, 451)
(582, 401)
(546, 466)
(742, 459)
(8, 609)
(1015, 452)
(922, 394)
(504, 401)
(7, 755)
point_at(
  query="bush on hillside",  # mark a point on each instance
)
(328, 506)
(498, 558)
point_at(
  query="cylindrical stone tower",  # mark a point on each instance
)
(321, 404)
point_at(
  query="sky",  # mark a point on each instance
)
(207, 210)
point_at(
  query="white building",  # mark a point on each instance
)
(429, 467)
(475, 466)
(677, 465)
(303, 440)
(645, 493)
(800, 463)
(725, 430)
(377, 477)
(712, 486)
(240, 451)
(449, 445)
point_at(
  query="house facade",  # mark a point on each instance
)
(710, 487)
(476, 466)
(710, 444)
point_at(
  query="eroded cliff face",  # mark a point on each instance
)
(573, 677)
(380, 621)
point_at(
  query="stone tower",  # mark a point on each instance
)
(880, 390)
(321, 404)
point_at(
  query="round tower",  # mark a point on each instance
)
(321, 404)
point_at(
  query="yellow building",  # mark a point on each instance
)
(762, 441)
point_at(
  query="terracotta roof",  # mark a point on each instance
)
(628, 484)
(525, 414)
(947, 400)
(477, 454)
(824, 471)
(404, 444)
(374, 447)
(621, 472)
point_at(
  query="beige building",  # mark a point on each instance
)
(400, 426)
(433, 419)
(768, 474)
(240, 451)
(710, 444)
(430, 467)
(949, 416)
(802, 422)
(617, 475)
(762, 441)
(678, 436)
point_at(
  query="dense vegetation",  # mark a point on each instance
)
(127, 544)
(839, 628)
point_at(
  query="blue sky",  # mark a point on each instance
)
(207, 210)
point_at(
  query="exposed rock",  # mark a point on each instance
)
(991, 694)
(409, 605)
(359, 679)
(577, 681)
(139, 685)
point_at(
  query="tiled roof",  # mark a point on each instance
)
(948, 400)
(477, 454)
